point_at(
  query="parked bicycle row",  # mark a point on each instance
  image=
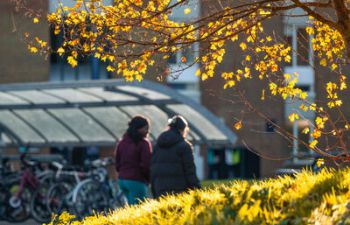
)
(39, 190)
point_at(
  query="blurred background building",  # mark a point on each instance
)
(258, 147)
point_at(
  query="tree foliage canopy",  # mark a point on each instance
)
(129, 33)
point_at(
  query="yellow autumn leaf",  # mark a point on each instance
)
(43, 44)
(303, 95)
(320, 162)
(306, 130)
(35, 20)
(304, 107)
(111, 58)
(343, 86)
(292, 117)
(288, 58)
(97, 55)
(57, 30)
(310, 30)
(338, 102)
(316, 133)
(286, 76)
(33, 49)
(104, 58)
(204, 76)
(323, 62)
(187, 11)
(243, 46)
(320, 122)
(229, 84)
(75, 54)
(238, 125)
(313, 143)
(312, 107)
(334, 66)
(138, 78)
(60, 51)
(72, 61)
(110, 68)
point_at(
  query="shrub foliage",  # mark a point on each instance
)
(307, 198)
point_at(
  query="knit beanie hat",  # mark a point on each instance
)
(178, 122)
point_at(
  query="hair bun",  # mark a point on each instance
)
(138, 122)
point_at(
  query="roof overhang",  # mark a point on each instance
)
(95, 113)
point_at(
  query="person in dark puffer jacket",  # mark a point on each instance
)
(172, 165)
(132, 160)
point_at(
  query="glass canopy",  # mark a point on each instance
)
(197, 120)
(36, 97)
(96, 113)
(111, 118)
(157, 117)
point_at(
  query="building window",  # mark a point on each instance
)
(178, 86)
(303, 47)
(297, 129)
(303, 87)
(289, 40)
(89, 68)
(56, 41)
(185, 55)
(299, 40)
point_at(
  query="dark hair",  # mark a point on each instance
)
(177, 122)
(136, 123)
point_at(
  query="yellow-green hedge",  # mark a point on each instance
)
(322, 198)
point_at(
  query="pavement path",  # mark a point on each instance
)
(27, 222)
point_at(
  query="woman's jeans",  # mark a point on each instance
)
(135, 191)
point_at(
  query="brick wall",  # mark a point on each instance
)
(228, 106)
(16, 63)
(322, 76)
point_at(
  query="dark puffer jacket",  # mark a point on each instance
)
(172, 165)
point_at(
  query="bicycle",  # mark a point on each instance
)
(18, 187)
(7, 178)
(60, 195)
(98, 193)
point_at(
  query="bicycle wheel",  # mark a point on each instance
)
(121, 199)
(56, 198)
(18, 208)
(38, 204)
(89, 199)
(3, 203)
(118, 198)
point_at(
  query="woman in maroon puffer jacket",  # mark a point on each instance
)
(132, 160)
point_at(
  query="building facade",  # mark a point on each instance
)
(260, 148)
(17, 64)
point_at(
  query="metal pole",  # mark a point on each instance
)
(295, 141)
(94, 68)
(1, 146)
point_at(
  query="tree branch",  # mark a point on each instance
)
(316, 15)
